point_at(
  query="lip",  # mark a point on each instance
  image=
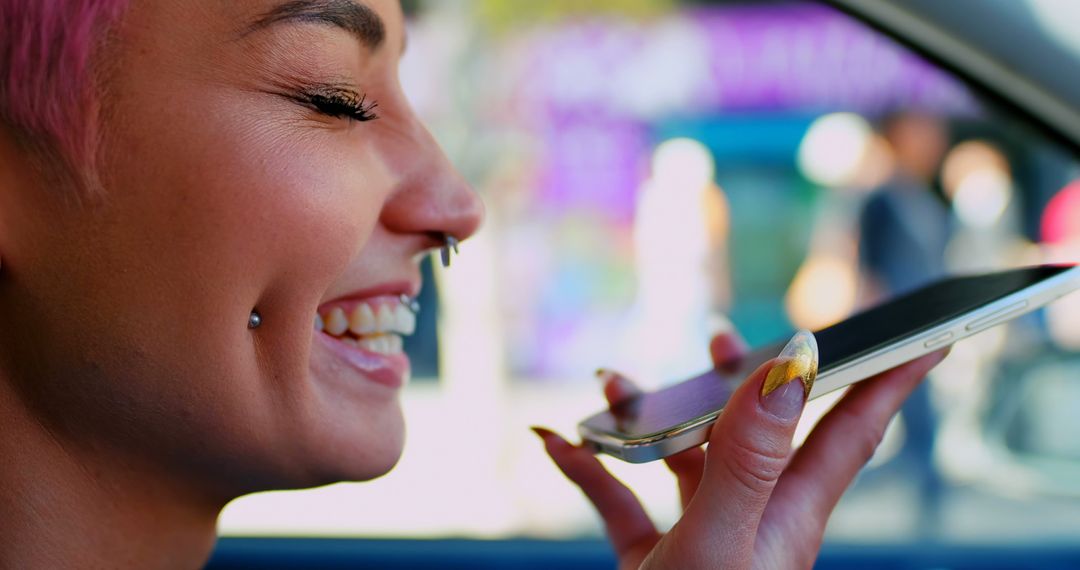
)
(390, 370)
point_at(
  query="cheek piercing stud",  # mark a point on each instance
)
(254, 320)
(410, 303)
(450, 242)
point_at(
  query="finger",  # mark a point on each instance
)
(841, 444)
(748, 449)
(688, 467)
(617, 388)
(727, 348)
(628, 526)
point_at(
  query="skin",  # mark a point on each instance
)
(126, 361)
(919, 143)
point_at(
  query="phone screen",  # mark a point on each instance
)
(905, 316)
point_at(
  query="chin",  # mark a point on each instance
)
(377, 460)
(362, 451)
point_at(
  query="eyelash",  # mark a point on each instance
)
(343, 104)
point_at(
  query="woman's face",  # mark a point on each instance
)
(241, 172)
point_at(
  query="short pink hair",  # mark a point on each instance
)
(48, 87)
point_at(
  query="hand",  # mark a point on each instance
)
(748, 501)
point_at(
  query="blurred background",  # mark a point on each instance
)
(655, 171)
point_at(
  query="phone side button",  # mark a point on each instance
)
(938, 340)
(997, 316)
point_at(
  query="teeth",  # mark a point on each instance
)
(362, 320)
(382, 344)
(386, 319)
(336, 324)
(405, 320)
(374, 344)
(366, 321)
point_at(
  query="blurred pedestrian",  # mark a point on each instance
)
(904, 229)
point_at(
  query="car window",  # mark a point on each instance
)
(655, 171)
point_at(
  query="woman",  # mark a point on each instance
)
(210, 220)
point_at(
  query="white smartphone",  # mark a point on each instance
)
(658, 424)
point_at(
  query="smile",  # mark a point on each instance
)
(375, 325)
(365, 335)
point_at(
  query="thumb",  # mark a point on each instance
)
(748, 450)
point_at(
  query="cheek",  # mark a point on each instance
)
(256, 196)
(301, 211)
(265, 201)
(286, 204)
(268, 216)
(204, 222)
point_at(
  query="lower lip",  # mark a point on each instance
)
(390, 370)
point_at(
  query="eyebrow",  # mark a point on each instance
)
(357, 19)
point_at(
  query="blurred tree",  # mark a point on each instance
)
(501, 15)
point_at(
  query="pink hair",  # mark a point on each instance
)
(48, 90)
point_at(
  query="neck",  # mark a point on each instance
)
(65, 507)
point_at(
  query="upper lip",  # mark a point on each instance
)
(409, 288)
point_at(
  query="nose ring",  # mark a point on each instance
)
(449, 242)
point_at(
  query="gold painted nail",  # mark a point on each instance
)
(798, 359)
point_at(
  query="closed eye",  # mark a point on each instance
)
(341, 103)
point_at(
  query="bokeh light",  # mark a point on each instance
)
(834, 148)
(982, 197)
(682, 163)
(822, 293)
(976, 176)
(1061, 218)
(1061, 232)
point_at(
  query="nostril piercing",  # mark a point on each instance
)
(254, 320)
(450, 242)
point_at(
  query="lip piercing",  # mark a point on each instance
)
(410, 303)
(254, 320)
(450, 242)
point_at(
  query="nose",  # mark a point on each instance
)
(432, 197)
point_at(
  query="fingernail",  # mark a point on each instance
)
(544, 433)
(623, 383)
(781, 395)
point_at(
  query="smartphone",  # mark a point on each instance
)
(657, 424)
